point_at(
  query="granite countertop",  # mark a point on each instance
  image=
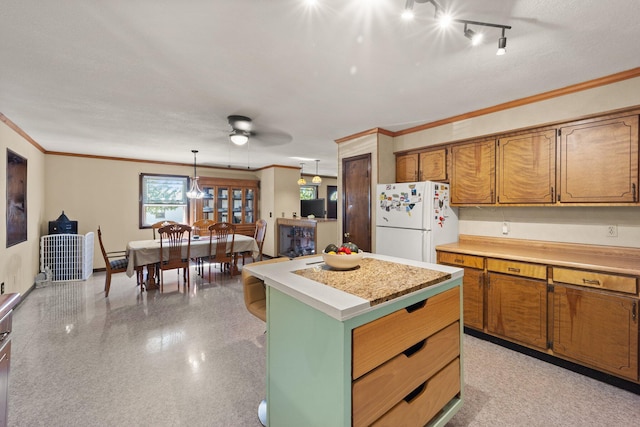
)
(376, 280)
(381, 280)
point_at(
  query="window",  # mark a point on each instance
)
(163, 197)
(308, 192)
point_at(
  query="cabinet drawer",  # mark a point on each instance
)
(461, 260)
(381, 389)
(425, 402)
(592, 279)
(380, 340)
(534, 271)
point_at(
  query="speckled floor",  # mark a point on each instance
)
(198, 359)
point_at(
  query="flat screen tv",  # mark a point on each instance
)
(313, 207)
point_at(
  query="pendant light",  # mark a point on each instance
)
(194, 192)
(302, 181)
(316, 179)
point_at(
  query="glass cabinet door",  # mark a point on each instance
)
(208, 203)
(223, 204)
(237, 205)
(248, 206)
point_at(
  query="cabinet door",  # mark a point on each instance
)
(407, 168)
(473, 297)
(599, 161)
(249, 206)
(526, 168)
(473, 173)
(517, 309)
(222, 200)
(236, 205)
(205, 207)
(433, 165)
(597, 329)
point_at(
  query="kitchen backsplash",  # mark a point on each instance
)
(588, 225)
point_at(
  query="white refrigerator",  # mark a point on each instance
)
(412, 218)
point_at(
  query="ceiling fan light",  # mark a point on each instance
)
(239, 137)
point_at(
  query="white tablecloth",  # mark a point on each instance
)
(145, 252)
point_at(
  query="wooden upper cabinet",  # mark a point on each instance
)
(473, 173)
(433, 165)
(526, 168)
(407, 167)
(598, 161)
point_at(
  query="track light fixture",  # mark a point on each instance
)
(444, 18)
(502, 44)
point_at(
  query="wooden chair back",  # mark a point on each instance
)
(114, 262)
(201, 227)
(222, 236)
(175, 250)
(159, 224)
(260, 233)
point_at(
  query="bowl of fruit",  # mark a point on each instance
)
(344, 257)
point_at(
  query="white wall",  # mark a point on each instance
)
(102, 192)
(562, 224)
(19, 263)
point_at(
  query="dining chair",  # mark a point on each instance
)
(116, 262)
(219, 236)
(259, 235)
(174, 239)
(201, 229)
(159, 224)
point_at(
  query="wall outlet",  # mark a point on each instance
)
(505, 227)
(612, 231)
(2, 288)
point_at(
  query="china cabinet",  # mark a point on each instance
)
(229, 200)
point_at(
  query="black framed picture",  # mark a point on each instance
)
(16, 198)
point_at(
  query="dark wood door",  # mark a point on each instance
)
(356, 208)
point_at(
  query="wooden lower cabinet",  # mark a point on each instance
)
(472, 286)
(517, 309)
(597, 329)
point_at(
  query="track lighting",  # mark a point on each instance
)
(502, 44)
(444, 19)
(476, 38)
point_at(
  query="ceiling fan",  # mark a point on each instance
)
(242, 128)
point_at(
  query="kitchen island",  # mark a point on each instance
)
(380, 344)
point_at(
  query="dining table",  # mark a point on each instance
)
(142, 253)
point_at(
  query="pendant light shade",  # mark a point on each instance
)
(316, 179)
(302, 181)
(194, 192)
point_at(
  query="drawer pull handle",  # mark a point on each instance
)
(417, 306)
(591, 282)
(415, 393)
(459, 261)
(513, 269)
(414, 348)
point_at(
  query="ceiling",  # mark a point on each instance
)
(155, 79)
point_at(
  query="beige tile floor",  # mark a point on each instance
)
(198, 359)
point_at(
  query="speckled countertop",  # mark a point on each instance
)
(376, 280)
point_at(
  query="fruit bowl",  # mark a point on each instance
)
(342, 262)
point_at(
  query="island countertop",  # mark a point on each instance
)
(344, 294)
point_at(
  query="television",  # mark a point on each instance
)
(313, 207)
